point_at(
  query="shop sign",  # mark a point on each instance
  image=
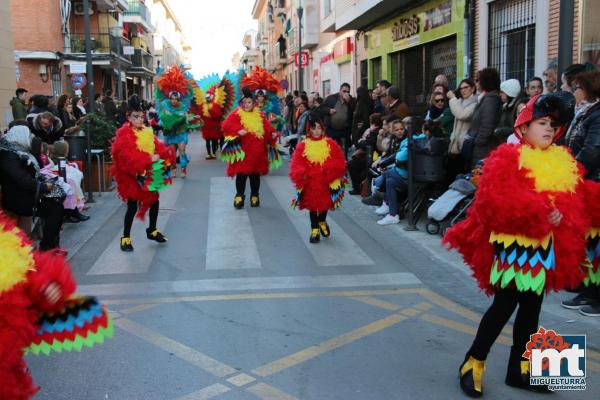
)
(437, 16)
(301, 59)
(405, 28)
(77, 68)
(128, 50)
(316, 78)
(326, 58)
(342, 51)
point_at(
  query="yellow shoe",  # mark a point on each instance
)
(471, 377)
(238, 201)
(156, 235)
(126, 244)
(314, 236)
(254, 201)
(324, 228)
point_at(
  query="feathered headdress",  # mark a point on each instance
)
(261, 79)
(174, 80)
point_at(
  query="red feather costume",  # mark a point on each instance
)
(24, 276)
(132, 153)
(249, 154)
(316, 165)
(507, 235)
(212, 115)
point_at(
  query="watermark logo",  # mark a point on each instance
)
(557, 361)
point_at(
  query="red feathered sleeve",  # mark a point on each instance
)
(299, 167)
(591, 192)
(336, 165)
(506, 201)
(50, 268)
(126, 155)
(232, 124)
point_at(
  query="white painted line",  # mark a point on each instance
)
(230, 240)
(396, 279)
(208, 392)
(337, 250)
(114, 261)
(267, 392)
(180, 350)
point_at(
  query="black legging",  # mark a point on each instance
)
(494, 319)
(52, 213)
(212, 146)
(316, 217)
(132, 207)
(240, 184)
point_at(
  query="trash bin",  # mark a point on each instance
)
(77, 148)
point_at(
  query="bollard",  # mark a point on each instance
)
(410, 123)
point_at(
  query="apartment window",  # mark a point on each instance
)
(590, 34)
(511, 44)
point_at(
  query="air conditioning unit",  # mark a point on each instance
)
(78, 8)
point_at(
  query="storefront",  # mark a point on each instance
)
(412, 49)
(335, 66)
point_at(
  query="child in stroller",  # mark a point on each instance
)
(451, 207)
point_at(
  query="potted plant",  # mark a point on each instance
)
(102, 133)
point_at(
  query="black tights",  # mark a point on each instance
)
(132, 207)
(212, 145)
(316, 217)
(240, 184)
(52, 214)
(494, 319)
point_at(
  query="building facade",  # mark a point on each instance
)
(7, 65)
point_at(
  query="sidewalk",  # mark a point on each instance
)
(74, 236)
(450, 277)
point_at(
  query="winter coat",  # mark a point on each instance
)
(484, 121)
(19, 110)
(361, 115)
(17, 179)
(47, 136)
(583, 138)
(462, 109)
(508, 115)
(397, 110)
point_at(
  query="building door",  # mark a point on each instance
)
(511, 45)
(364, 73)
(376, 68)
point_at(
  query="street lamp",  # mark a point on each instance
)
(300, 11)
(116, 32)
(90, 77)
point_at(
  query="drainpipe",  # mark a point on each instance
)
(565, 37)
(467, 34)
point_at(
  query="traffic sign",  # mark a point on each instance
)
(78, 81)
(301, 59)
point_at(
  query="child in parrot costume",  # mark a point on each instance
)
(250, 148)
(214, 99)
(265, 88)
(38, 311)
(141, 168)
(523, 235)
(317, 170)
(174, 92)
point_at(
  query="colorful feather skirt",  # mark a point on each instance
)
(158, 178)
(82, 323)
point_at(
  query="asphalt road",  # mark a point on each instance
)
(238, 305)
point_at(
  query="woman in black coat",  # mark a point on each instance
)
(358, 164)
(362, 111)
(486, 116)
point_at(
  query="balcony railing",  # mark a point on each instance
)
(137, 8)
(102, 44)
(143, 59)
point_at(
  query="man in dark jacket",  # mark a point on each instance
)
(46, 126)
(110, 107)
(396, 108)
(19, 109)
(340, 107)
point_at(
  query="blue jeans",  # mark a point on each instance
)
(393, 181)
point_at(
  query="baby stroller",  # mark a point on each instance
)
(450, 207)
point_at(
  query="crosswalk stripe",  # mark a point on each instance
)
(230, 240)
(337, 250)
(113, 261)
